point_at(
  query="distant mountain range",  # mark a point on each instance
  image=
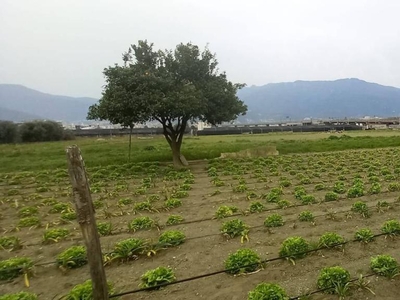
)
(276, 101)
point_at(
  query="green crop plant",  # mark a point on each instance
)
(243, 261)
(125, 201)
(84, 291)
(172, 203)
(55, 235)
(306, 216)
(299, 192)
(12, 192)
(331, 196)
(73, 257)
(13, 267)
(274, 220)
(339, 187)
(59, 207)
(268, 291)
(174, 219)
(225, 211)
(68, 215)
(285, 183)
(188, 181)
(158, 276)
(272, 197)
(216, 192)
(153, 198)
(10, 243)
(218, 182)
(234, 228)
(185, 187)
(104, 228)
(28, 211)
(385, 265)
(42, 189)
(293, 248)
(305, 180)
(391, 227)
(331, 240)
(364, 235)
(389, 177)
(332, 277)
(140, 190)
(28, 222)
(394, 187)
(251, 195)
(307, 199)
(241, 188)
(180, 194)
(143, 206)
(319, 187)
(19, 296)
(361, 208)
(375, 188)
(355, 191)
(284, 203)
(256, 207)
(171, 238)
(381, 206)
(126, 250)
(141, 223)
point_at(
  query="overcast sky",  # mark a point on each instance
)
(62, 46)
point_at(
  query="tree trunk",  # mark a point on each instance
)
(130, 142)
(177, 158)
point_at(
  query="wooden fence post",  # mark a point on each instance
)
(85, 215)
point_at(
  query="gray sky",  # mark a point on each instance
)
(62, 46)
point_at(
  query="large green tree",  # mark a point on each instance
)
(171, 87)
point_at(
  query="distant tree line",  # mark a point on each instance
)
(34, 131)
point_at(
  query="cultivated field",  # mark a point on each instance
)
(341, 192)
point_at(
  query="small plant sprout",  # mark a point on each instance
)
(274, 220)
(319, 187)
(234, 228)
(243, 261)
(73, 257)
(391, 227)
(306, 216)
(293, 248)
(331, 196)
(331, 278)
(141, 223)
(10, 243)
(381, 206)
(363, 284)
(55, 235)
(171, 238)
(361, 208)
(13, 267)
(268, 291)
(84, 291)
(225, 211)
(19, 296)
(256, 207)
(331, 240)
(172, 203)
(385, 265)
(174, 219)
(364, 235)
(158, 276)
(104, 228)
(251, 195)
(29, 222)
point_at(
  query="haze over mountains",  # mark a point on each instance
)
(277, 101)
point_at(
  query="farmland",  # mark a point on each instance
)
(307, 191)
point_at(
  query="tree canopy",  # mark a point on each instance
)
(171, 87)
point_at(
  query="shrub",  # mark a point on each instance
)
(225, 211)
(40, 131)
(364, 235)
(274, 220)
(13, 267)
(331, 196)
(141, 223)
(172, 203)
(391, 227)
(331, 240)
(104, 228)
(29, 222)
(234, 228)
(19, 296)
(160, 275)
(84, 291)
(174, 219)
(55, 235)
(10, 242)
(306, 216)
(256, 207)
(268, 291)
(384, 265)
(171, 238)
(243, 261)
(332, 277)
(294, 247)
(73, 257)
(128, 249)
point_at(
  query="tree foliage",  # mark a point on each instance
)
(40, 131)
(171, 87)
(8, 132)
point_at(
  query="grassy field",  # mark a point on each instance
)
(104, 152)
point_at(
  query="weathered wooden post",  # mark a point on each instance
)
(85, 215)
